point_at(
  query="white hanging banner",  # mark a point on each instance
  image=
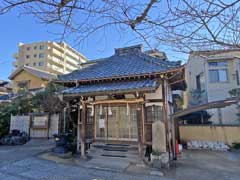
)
(102, 123)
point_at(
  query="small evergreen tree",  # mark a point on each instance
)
(20, 105)
(45, 101)
(236, 93)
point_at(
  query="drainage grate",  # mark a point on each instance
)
(108, 155)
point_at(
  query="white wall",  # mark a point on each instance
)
(22, 123)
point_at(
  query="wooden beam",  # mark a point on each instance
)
(154, 100)
(129, 101)
(178, 81)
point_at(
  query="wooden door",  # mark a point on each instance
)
(120, 123)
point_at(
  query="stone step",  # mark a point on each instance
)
(116, 157)
(97, 152)
(116, 147)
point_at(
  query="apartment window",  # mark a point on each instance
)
(27, 56)
(35, 47)
(28, 48)
(41, 47)
(218, 75)
(34, 64)
(35, 55)
(41, 63)
(218, 64)
(27, 64)
(200, 82)
(154, 113)
(41, 55)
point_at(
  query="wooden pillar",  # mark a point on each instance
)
(83, 129)
(140, 133)
(78, 127)
(143, 123)
(174, 127)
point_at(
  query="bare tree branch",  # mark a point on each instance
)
(182, 24)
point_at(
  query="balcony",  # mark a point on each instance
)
(70, 53)
(56, 61)
(74, 62)
(71, 68)
(57, 53)
(55, 68)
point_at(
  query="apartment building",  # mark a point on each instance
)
(210, 76)
(52, 57)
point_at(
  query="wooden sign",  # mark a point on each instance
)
(102, 123)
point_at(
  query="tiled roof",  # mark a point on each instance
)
(136, 85)
(37, 72)
(129, 63)
(6, 97)
(3, 83)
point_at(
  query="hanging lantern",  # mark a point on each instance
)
(92, 112)
(101, 110)
(109, 111)
(128, 108)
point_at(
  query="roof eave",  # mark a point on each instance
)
(142, 90)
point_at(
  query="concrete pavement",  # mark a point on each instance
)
(27, 163)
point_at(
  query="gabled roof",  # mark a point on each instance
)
(36, 72)
(3, 83)
(129, 61)
(6, 97)
(114, 87)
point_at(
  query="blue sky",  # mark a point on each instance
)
(26, 29)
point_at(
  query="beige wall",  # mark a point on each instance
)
(59, 58)
(214, 91)
(199, 64)
(227, 134)
(34, 81)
